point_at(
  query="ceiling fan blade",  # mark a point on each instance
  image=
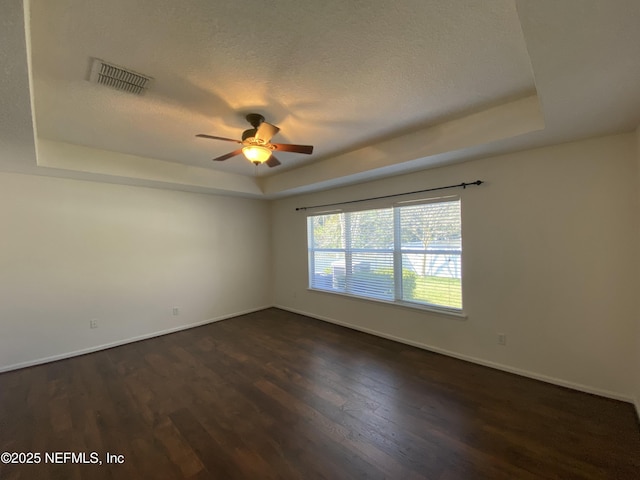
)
(266, 131)
(202, 135)
(273, 161)
(228, 155)
(285, 147)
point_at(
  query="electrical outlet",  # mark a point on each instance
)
(93, 323)
(502, 339)
(176, 311)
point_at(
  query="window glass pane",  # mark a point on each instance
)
(372, 275)
(432, 279)
(329, 271)
(328, 231)
(431, 246)
(372, 229)
(430, 225)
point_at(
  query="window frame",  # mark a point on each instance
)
(396, 252)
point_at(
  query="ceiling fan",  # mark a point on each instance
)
(256, 143)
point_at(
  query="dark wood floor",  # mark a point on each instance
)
(278, 395)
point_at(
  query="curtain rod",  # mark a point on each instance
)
(463, 185)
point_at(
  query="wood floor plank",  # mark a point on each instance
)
(273, 394)
(210, 452)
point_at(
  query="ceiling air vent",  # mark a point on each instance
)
(117, 77)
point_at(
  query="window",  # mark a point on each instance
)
(407, 254)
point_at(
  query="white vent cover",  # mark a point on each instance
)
(117, 77)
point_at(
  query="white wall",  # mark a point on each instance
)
(550, 259)
(72, 251)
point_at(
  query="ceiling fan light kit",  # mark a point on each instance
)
(256, 141)
(256, 153)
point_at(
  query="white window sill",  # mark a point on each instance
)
(399, 303)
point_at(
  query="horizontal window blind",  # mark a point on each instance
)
(431, 251)
(405, 253)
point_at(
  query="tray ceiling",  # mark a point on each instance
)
(378, 88)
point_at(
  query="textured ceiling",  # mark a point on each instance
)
(377, 87)
(333, 74)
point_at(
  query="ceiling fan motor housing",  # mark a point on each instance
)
(255, 119)
(249, 133)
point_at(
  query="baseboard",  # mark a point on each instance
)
(431, 348)
(479, 361)
(105, 346)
